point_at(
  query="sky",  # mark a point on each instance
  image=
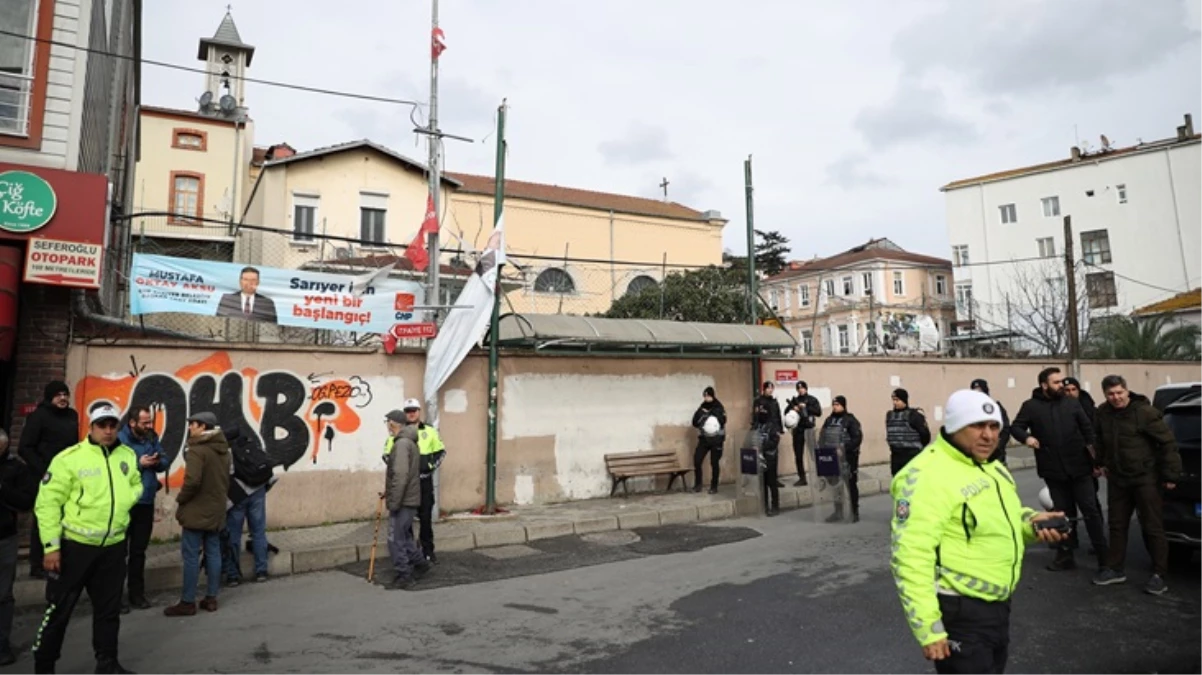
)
(854, 113)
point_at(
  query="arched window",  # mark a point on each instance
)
(554, 280)
(639, 284)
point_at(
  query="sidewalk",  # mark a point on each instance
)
(319, 548)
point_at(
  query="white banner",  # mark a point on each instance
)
(463, 328)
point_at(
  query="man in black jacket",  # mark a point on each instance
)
(18, 490)
(49, 430)
(708, 443)
(766, 418)
(1003, 437)
(1060, 432)
(906, 431)
(808, 410)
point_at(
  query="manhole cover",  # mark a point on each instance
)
(508, 552)
(614, 538)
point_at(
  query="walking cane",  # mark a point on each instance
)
(371, 565)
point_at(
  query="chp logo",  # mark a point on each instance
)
(402, 304)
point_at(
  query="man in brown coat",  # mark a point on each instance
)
(403, 496)
(201, 510)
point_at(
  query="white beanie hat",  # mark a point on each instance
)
(967, 407)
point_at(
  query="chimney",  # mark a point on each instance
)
(1186, 131)
(1076, 152)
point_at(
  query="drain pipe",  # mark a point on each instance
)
(81, 308)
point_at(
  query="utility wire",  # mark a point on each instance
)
(190, 69)
(1174, 291)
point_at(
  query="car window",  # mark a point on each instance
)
(1187, 427)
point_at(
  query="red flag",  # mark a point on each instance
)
(438, 43)
(416, 252)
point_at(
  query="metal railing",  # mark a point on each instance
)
(16, 99)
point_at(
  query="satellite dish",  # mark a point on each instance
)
(227, 103)
(206, 100)
(342, 253)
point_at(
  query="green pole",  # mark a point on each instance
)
(490, 499)
(752, 291)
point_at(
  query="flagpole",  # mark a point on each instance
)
(435, 162)
(490, 499)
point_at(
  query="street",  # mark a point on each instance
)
(747, 595)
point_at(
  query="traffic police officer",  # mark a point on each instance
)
(83, 512)
(429, 444)
(958, 519)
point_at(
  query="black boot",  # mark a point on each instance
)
(1064, 561)
(111, 666)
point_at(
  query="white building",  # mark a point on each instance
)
(1137, 230)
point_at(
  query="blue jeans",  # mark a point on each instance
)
(189, 546)
(252, 510)
(402, 547)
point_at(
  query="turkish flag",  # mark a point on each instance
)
(416, 253)
(438, 43)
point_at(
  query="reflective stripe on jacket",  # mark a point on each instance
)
(957, 522)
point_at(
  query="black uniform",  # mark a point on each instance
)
(767, 420)
(907, 433)
(711, 445)
(48, 431)
(809, 410)
(18, 489)
(1003, 437)
(844, 429)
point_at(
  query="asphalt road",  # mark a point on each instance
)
(752, 595)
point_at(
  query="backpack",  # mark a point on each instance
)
(251, 464)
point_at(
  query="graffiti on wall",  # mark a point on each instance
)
(292, 417)
(903, 332)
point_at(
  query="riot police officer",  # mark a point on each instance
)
(766, 419)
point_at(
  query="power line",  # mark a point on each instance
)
(190, 69)
(1174, 291)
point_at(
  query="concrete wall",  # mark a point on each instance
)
(320, 414)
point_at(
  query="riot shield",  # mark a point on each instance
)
(750, 482)
(832, 498)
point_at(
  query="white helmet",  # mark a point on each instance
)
(1045, 499)
(711, 426)
(791, 419)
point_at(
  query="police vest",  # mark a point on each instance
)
(86, 495)
(898, 432)
(834, 433)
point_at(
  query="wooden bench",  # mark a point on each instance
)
(626, 465)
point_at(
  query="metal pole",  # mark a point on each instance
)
(752, 293)
(1070, 280)
(490, 481)
(435, 163)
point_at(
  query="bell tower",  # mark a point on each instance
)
(226, 59)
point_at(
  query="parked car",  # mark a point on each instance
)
(1167, 393)
(1183, 506)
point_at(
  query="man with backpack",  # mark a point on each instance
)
(247, 502)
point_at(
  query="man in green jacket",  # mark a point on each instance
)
(83, 512)
(958, 520)
(1139, 456)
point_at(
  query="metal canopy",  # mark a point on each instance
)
(556, 330)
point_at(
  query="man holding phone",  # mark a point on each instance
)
(139, 434)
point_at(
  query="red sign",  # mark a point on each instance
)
(787, 376)
(28, 408)
(414, 330)
(80, 214)
(403, 302)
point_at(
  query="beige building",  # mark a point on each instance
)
(871, 299)
(194, 165)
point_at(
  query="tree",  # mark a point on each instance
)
(710, 294)
(771, 252)
(1036, 307)
(1151, 339)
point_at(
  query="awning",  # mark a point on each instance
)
(550, 331)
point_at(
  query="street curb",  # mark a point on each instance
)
(159, 579)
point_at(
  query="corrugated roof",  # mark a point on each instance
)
(566, 196)
(1181, 301)
(227, 36)
(874, 249)
(356, 145)
(1063, 163)
(579, 331)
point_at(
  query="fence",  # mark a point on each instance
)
(530, 283)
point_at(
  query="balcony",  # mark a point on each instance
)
(16, 99)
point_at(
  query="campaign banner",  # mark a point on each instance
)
(371, 302)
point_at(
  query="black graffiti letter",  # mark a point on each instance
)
(164, 395)
(284, 395)
(228, 406)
